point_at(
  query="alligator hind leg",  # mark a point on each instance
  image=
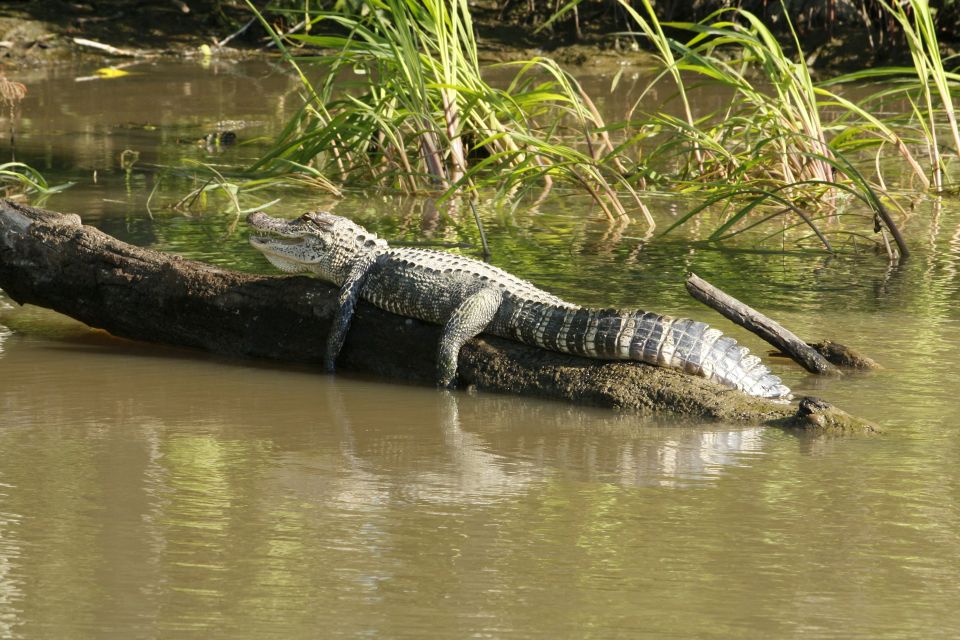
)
(467, 321)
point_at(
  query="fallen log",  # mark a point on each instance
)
(52, 260)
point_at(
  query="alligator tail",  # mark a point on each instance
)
(680, 343)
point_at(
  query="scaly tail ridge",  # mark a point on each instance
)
(680, 343)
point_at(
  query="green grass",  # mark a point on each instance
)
(784, 145)
(17, 178)
(924, 91)
(401, 104)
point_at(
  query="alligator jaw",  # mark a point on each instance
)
(275, 227)
(310, 223)
(272, 232)
(265, 245)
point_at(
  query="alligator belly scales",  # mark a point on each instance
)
(468, 297)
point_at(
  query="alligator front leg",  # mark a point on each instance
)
(349, 294)
(467, 321)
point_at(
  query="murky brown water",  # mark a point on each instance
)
(160, 493)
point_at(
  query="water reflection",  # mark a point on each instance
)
(453, 445)
(11, 586)
(148, 111)
(4, 331)
(707, 455)
(197, 494)
(194, 493)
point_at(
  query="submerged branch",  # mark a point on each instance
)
(884, 216)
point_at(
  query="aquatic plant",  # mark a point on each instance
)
(772, 99)
(403, 104)
(768, 152)
(926, 87)
(211, 181)
(17, 178)
(11, 94)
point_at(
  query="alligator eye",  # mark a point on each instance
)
(316, 220)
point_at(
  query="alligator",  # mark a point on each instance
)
(468, 297)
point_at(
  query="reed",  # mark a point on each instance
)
(403, 104)
(772, 101)
(17, 178)
(769, 152)
(926, 88)
(775, 96)
(11, 94)
(916, 20)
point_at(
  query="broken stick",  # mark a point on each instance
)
(110, 49)
(770, 330)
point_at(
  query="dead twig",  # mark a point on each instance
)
(114, 51)
(770, 330)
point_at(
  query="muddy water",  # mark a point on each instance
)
(159, 493)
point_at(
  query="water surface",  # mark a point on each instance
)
(151, 492)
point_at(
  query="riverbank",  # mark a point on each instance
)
(40, 33)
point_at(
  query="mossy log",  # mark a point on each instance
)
(844, 356)
(51, 260)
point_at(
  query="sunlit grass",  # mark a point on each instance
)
(403, 104)
(770, 152)
(925, 92)
(17, 178)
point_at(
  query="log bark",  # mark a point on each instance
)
(768, 329)
(52, 260)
